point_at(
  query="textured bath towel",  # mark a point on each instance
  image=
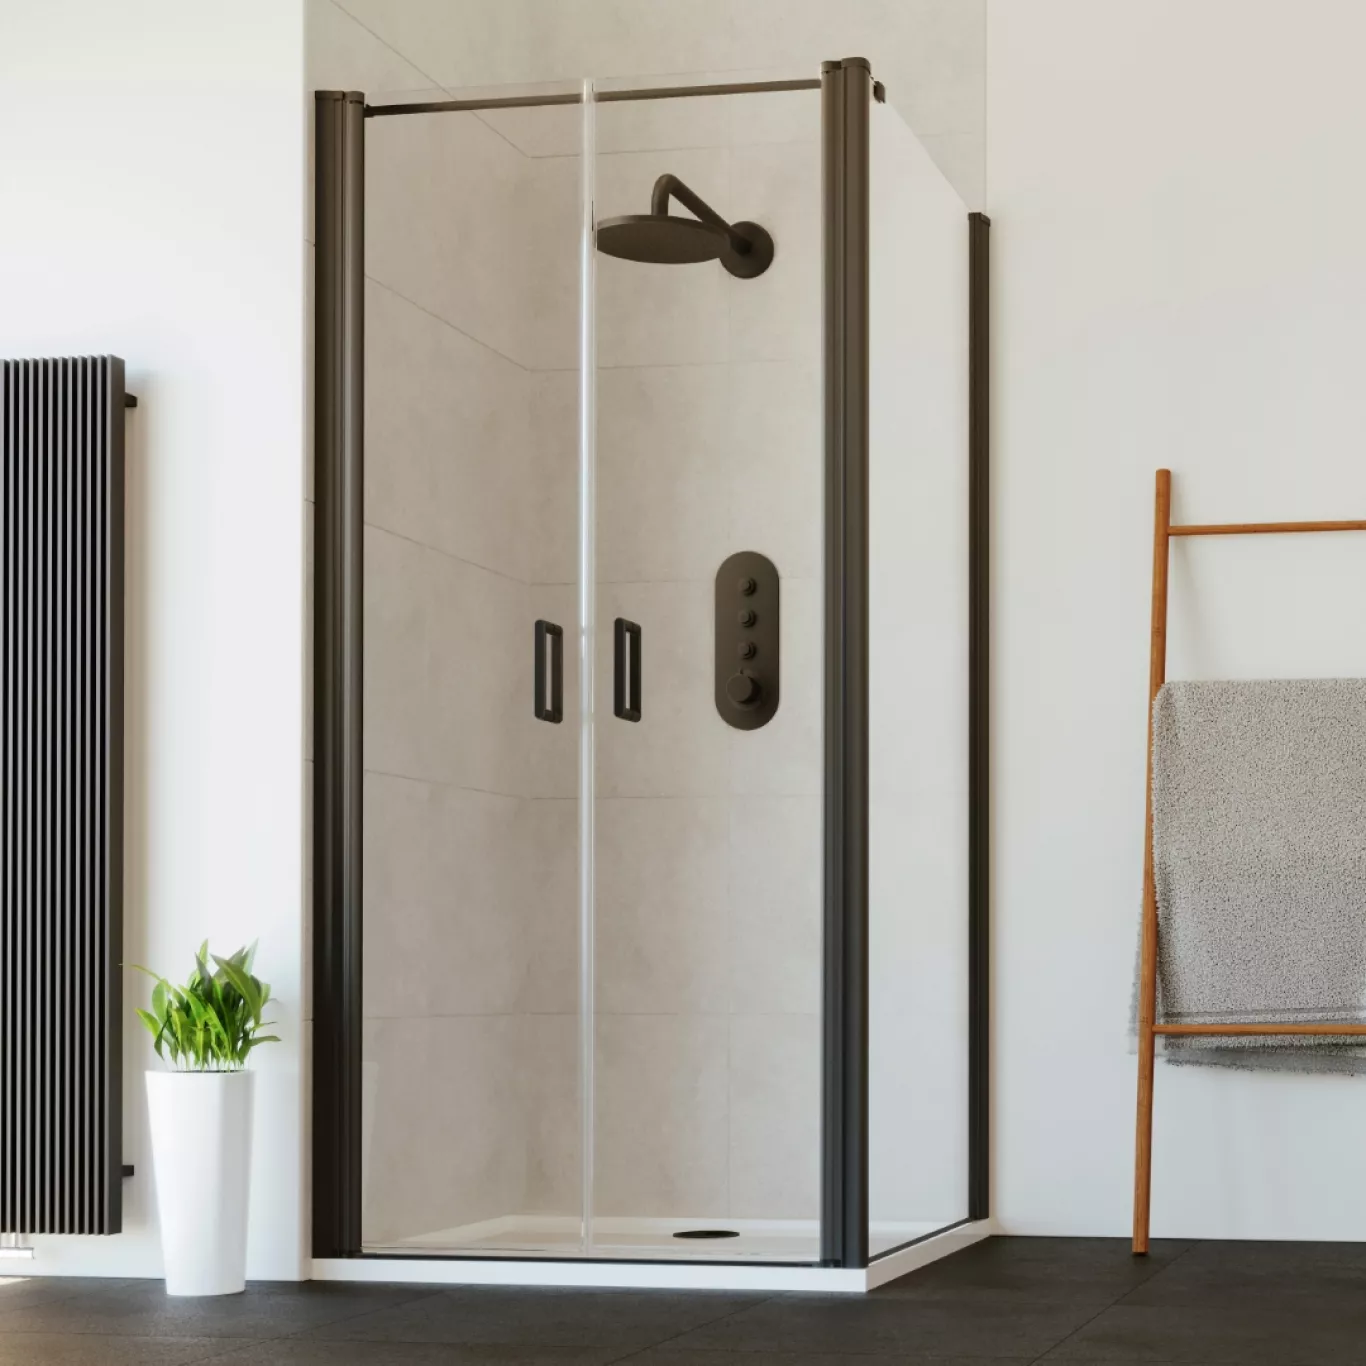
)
(1259, 849)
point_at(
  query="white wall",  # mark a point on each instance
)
(151, 173)
(1178, 278)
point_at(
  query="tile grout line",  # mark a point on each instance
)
(119, 1283)
(1067, 1337)
(601, 366)
(384, 42)
(456, 328)
(426, 75)
(216, 1355)
(459, 559)
(498, 132)
(456, 787)
(233, 1343)
(536, 1345)
(420, 1294)
(105, 1334)
(1161, 1270)
(604, 366)
(423, 1293)
(706, 1323)
(690, 147)
(1048, 1354)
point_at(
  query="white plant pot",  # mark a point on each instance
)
(201, 1153)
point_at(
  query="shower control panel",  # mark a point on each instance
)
(747, 640)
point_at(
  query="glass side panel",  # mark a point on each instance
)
(471, 1110)
(918, 616)
(708, 853)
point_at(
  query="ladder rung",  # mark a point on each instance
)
(1229, 1029)
(1262, 528)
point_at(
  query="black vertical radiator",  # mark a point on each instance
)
(61, 794)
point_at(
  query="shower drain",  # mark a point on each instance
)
(707, 1233)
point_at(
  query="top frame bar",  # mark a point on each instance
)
(663, 92)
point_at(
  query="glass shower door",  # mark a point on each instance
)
(471, 1099)
(706, 904)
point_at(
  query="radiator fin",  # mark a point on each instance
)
(61, 795)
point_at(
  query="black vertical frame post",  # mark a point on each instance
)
(339, 420)
(979, 716)
(846, 96)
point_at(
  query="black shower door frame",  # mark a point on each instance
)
(847, 92)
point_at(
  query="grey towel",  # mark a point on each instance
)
(1259, 848)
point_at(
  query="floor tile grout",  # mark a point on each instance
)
(1105, 1308)
(720, 1318)
(219, 1356)
(238, 1344)
(1067, 1337)
(418, 1295)
(1148, 1280)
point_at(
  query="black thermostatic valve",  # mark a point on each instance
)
(747, 636)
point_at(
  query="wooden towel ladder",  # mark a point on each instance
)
(1148, 1028)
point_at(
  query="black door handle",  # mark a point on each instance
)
(548, 632)
(626, 670)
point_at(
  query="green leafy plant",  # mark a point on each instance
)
(212, 1023)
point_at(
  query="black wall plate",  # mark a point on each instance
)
(747, 634)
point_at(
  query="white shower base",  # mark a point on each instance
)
(764, 1240)
(562, 1236)
(768, 1255)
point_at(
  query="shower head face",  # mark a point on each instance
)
(661, 239)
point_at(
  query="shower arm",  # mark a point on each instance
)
(668, 185)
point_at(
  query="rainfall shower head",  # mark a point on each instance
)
(662, 238)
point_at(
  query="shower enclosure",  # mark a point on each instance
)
(649, 811)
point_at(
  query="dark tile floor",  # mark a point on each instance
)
(1006, 1302)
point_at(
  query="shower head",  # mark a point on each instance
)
(662, 238)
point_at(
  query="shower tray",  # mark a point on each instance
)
(794, 1241)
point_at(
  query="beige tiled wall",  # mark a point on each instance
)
(446, 1135)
